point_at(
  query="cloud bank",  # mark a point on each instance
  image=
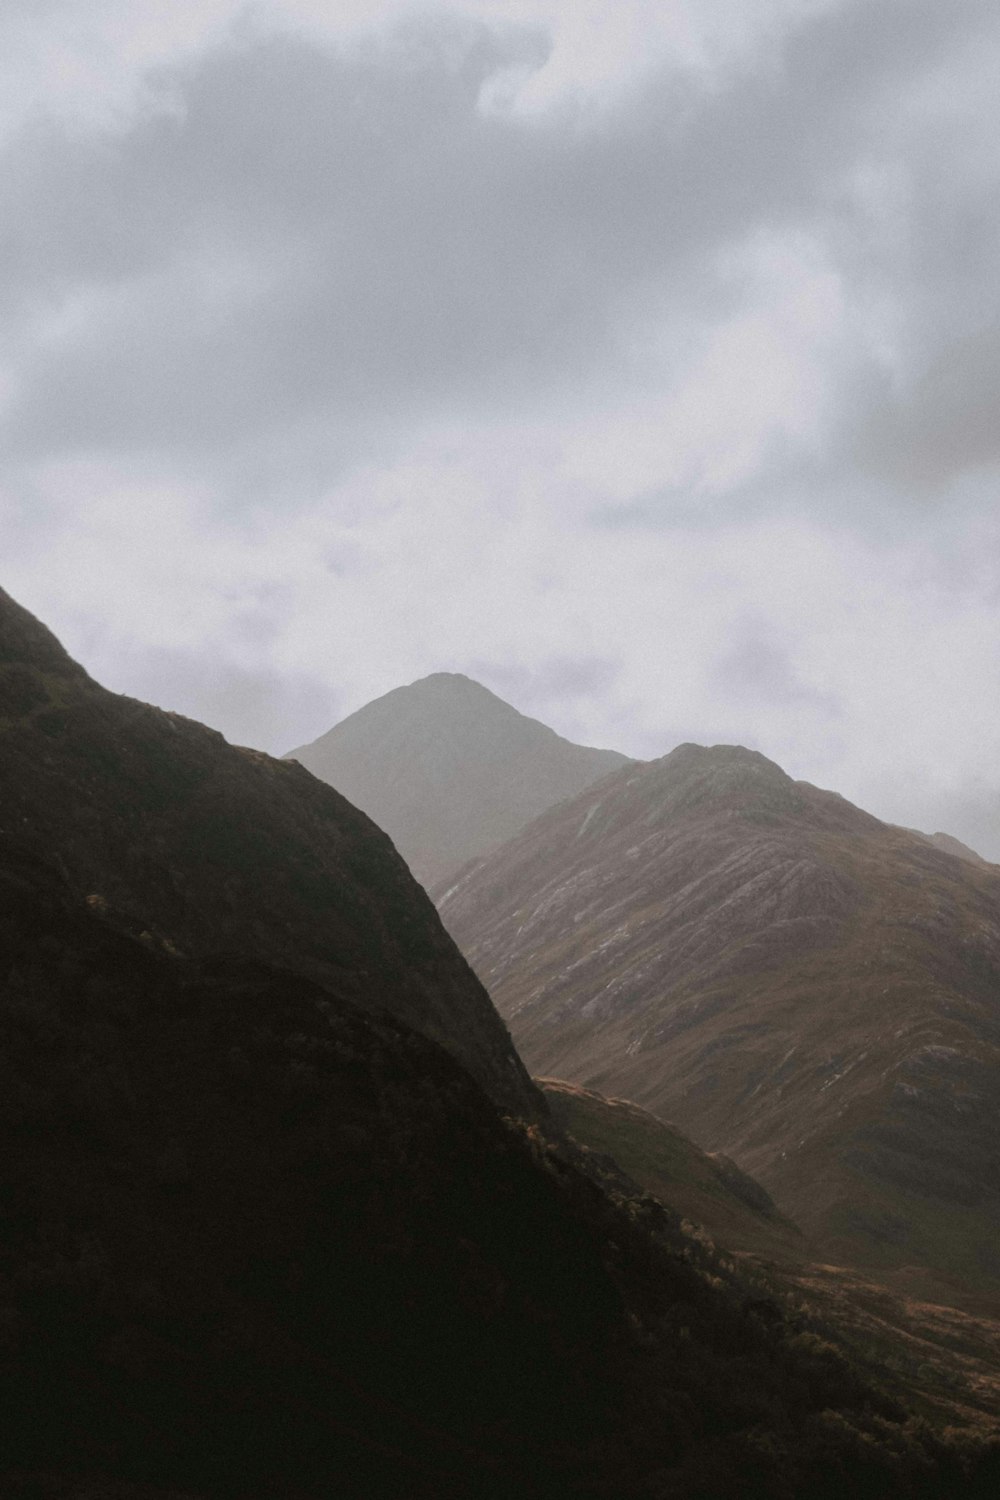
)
(646, 368)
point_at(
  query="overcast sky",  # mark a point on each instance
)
(640, 358)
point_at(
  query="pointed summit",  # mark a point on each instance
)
(450, 770)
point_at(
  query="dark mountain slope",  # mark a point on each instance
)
(449, 770)
(796, 984)
(259, 1243)
(165, 829)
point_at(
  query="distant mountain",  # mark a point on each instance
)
(449, 770)
(792, 982)
(952, 845)
(260, 1235)
(210, 851)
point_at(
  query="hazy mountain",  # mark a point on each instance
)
(952, 845)
(796, 984)
(262, 1237)
(208, 850)
(449, 770)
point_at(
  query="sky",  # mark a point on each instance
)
(639, 358)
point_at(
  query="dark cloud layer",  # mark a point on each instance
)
(296, 238)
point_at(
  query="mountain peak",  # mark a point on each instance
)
(450, 770)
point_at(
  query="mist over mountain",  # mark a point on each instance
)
(450, 770)
(793, 982)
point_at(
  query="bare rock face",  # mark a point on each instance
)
(794, 983)
(161, 828)
(449, 770)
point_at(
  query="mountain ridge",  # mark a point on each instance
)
(788, 979)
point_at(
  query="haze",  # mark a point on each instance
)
(638, 360)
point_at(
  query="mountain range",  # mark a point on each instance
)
(282, 1213)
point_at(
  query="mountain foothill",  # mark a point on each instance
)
(284, 1214)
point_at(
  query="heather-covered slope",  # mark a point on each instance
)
(794, 983)
(449, 770)
(164, 829)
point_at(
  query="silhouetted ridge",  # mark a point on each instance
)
(212, 850)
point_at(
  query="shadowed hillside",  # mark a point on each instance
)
(165, 830)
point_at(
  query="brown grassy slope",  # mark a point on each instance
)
(942, 1359)
(450, 770)
(161, 826)
(791, 981)
(709, 1191)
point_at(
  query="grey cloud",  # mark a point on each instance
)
(388, 248)
(263, 708)
(971, 814)
(758, 669)
(948, 421)
(554, 680)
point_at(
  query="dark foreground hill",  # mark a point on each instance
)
(796, 984)
(260, 1236)
(208, 851)
(257, 1242)
(449, 770)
